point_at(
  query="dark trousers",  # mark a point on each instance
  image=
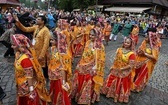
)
(10, 50)
(2, 94)
(45, 72)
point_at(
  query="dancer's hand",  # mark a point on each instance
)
(66, 86)
(32, 95)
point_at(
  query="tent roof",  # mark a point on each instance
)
(159, 2)
(13, 2)
(127, 9)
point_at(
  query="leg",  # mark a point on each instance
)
(106, 39)
(2, 94)
(115, 37)
(111, 36)
(10, 50)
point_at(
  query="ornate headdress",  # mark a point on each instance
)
(153, 38)
(62, 45)
(22, 41)
(98, 39)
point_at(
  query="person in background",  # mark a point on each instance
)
(9, 18)
(166, 30)
(51, 21)
(160, 31)
(135, 33)
(126, 29)
(107, 31)
(5, 40)
(41, 37)
(30, 82)
(118, 83)
(115, 30)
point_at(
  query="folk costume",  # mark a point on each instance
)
(27, 68)
(88, 77)
(58, 64)
(118, 83)
(147, 56)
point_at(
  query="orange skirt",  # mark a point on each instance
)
(25, 100)
(78, 50)
(117, 88)
(141, 78)
(82, 88)
(58, 95)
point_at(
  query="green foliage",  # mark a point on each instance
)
(80, 3)
(30, 3)
(77, 4)
(67, 5)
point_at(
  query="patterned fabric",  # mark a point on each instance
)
(62, 44)
(22, 41)
(22, 73)
(98, 41)
(153, 39)
(118, 83)
(145, 66)
(62, 22)
(88, 77)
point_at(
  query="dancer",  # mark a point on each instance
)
(88, 77)
(30, 82)
(118, 83)
(147, 56)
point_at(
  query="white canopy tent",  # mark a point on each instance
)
(76, 10)
(127, 9)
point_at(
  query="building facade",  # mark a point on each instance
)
(4, 4)
(157, 7)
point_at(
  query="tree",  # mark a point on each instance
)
(69, 5)
(81, 4)
(65, 4)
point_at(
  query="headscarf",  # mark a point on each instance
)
(98, 41)
(62, 45)
(153, 38)
(22, 41)
(63, 23)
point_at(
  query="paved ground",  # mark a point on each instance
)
(156, 92)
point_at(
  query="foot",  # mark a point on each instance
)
(115, 99)
(166, 63)
(126, 100)
(12, 55)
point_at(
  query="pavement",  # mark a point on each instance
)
(155, 93)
